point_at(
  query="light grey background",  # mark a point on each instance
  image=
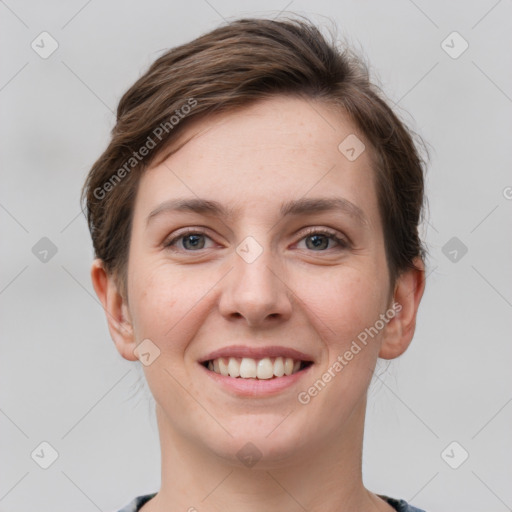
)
(63, 382)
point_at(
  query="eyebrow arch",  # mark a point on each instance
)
(291, 208)
(314, 205)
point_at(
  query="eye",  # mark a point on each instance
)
(318, 240)
(192, 240)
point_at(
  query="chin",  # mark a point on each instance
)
(260, 441)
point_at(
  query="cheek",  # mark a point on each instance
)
(157, 302)
(344, 311)
(169, 303)
(345, 301)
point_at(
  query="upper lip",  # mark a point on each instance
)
(257, 353)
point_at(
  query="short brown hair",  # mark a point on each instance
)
(237, 64)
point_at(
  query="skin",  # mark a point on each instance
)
(189, 302)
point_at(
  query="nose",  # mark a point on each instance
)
(256, 291)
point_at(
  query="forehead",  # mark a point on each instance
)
(276, 150)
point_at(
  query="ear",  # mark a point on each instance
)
(116, 310)
(407, 296)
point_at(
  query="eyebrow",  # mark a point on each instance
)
(290, 208)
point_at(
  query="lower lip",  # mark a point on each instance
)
(256, 387)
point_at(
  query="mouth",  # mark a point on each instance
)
(266, 368)
(256, 372)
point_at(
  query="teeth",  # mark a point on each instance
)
(223, 367)
(279, 367)
(233, 367)
(265, 369)
(288, 366)
(248, 368)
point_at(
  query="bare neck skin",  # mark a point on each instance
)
(326, 478)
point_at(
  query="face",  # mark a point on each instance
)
(257, 248)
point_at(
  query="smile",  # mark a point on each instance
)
(261, 369)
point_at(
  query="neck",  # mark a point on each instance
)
(195, 480)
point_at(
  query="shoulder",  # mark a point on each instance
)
(400, 505)
(137, 503)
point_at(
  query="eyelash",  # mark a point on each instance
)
(331, 235)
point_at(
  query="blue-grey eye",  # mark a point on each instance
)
(196, 241)
(318, 241)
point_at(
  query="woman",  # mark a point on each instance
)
(255, 224)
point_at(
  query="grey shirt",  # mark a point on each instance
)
(399, 505)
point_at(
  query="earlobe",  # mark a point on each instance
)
(116, 310)
(400, 330)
